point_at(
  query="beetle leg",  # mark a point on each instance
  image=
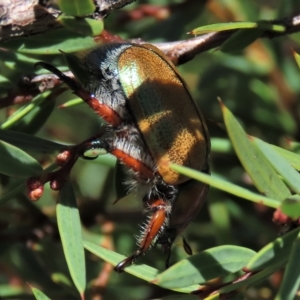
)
(135, 164)
(103, 110)
(161, 210)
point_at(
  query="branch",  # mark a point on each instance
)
(181, 52)
(20, 18)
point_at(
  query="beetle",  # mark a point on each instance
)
(152, 121)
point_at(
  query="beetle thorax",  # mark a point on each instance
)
(103, 79)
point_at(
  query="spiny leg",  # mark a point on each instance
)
(159, 218)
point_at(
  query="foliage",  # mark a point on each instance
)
(254, 157)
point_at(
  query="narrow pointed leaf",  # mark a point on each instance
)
(36, 117)
(17, 163)
(221, 145)
(281, 166)
(51, 42)
(204, 266)
(254, 279)
(71, 103)
(141, 271)
(297, 58)
(273, 253)
(235, 26)
(291, 280)
(291, 157)
(39, 295)
(223, 26)
(23, 111)
(70, 232)
(62, 279)
(258, 168)
(29, 142)
(226, 186)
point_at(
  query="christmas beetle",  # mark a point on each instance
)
(152, 122)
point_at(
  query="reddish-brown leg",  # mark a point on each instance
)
(156, 223)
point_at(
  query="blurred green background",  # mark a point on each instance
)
(260, 85)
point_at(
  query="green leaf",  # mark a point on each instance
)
(71, 103)
(207, 265)
(23, 111)
(70, 232)
(281, 166)
(226, 186)
(5, 82)
(224, 146)
(83, 26)
(240, 40)
(221, 145)
(29, 142)
(258, 168)
(51, 42)
(291, 157)
(223, 26)
(62, 279)
(236, 26)
(39, 295)
(297, 57)
(77, 7)
(254, 279)
(8, 290)
(17, 163)
(291, 206)
(275, 252)
(291, 280)
(36, 117)
(141, 271)
(92, 237)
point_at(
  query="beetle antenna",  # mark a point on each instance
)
(67, 80)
